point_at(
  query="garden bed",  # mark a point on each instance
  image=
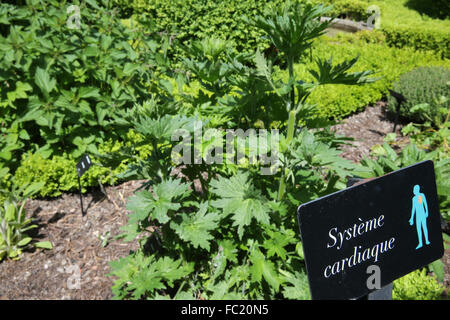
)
(86, 242)
(77, 242)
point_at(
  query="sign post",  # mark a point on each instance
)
(400, 99)
(359, 240)
(82, 167)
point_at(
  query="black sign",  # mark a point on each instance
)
(386, 228)
(83, 165)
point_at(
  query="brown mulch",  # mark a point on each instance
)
(78, 247)
(78, 240)
(446, 261)
(368, 128)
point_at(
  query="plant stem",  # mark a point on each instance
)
(290, 136)
(291, 80)
(291, 127)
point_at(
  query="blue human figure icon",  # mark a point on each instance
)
(420, 210)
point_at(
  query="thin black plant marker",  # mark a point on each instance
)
(82, 167)
(400, 99)
(81, 198)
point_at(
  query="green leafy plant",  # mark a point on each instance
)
(292, 33)
(198, 19)
(355, 10)
(59, 172)
(14, 223)
(63, 88)
(333, 101)
(223, 230)
(434, 139)
(428, 136)
(387, 160)
(417, 285)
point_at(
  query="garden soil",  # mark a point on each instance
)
(83, 245)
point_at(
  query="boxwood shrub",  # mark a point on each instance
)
(423, 85)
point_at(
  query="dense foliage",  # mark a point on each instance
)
(387, 160)
(14, 222)
(250, 217)
(404, 25)
(425, 85)
(337, 101)
(59, 174)
(196, 19)
(134, 75)
(417, 286)
(64, 88)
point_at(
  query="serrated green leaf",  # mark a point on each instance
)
(142, 275)
(159, 202)
(275, 244)
(238, 197)
(264, 268)
(229, 250)
(299, 289)
(337, 74)
(88, 92)
(195, 228)
(141, 204)
(43, 81)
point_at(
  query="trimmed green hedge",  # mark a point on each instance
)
(404, 26)
(337, 101)
(401, 24)
(404, 23)
(354, 10)
(419, 38)
(196, 19)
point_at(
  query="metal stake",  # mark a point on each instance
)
(81, 198)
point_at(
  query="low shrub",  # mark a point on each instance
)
(59, 172)
(405, 26)
(403, 22)
(417, 285)
(423, 85)
(354, 10)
